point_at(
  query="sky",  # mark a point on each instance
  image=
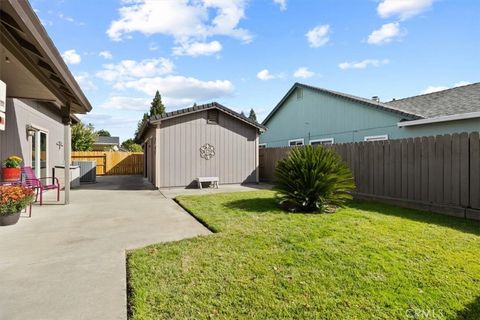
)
(247, 54)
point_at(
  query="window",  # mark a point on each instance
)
(376, 138)
(295, 142)
(299, 94)
(212, 116)
(323, 142)
(262, 145)
(40, 153)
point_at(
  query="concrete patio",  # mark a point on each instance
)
(68, 262)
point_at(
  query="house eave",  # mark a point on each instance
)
(454, 117)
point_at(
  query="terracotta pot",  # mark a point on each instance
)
(9, 219)
(11, 174)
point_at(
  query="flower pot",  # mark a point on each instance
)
(11, 174)
(9, 219)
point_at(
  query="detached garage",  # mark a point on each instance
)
(209, 140)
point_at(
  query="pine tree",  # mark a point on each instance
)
(252, 115)
(243, 114)
(157, 105)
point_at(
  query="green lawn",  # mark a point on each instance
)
(367, 261)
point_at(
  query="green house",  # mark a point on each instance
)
(312, 115)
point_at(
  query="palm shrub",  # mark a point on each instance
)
(313, 179)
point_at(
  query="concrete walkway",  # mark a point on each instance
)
(68, 262)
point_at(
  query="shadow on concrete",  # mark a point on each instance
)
(127, 182)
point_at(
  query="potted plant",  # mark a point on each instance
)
(11, 170)
(13, 199)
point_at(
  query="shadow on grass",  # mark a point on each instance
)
(254, 205)
(471, 311)
(262, 205)
(461, 224)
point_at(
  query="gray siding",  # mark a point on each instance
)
(181, 138)
(19, 114)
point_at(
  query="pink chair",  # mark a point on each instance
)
(40, 184)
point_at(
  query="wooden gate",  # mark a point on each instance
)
(113, 162)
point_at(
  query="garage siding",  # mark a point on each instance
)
(182, 137)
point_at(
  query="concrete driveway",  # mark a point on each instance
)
(68, 262)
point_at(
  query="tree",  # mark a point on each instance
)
(131, 146)
(139, 126)
(83, 137)
(243, 114)
(252, 115)
(157, 106)
(103, 133)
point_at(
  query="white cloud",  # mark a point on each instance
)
(106, 54)
(403, 9)
(85, 82)
(387, 33)
(362, 64)
(179, 91)
(318, 36)
(303, 72)
(282, 4)
(186, 21)
(70, 19)
(108, 121)
(431, 89)
(71, 57)
(126, 103)
(131, 69)
(197, 49)
(265, 75)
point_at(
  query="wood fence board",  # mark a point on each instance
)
(432, 170)
(447, 169)
(455, 180)
(386, 169)
(425, 170)
(398, 168)
(417, 150)
(404, 169)
(410, 169)
(464, 170)
(475, 170)
(439, 170)
(371, 168)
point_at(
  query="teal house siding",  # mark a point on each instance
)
(311, 114)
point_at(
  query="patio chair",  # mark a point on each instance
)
(40, 184)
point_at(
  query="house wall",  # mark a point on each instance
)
(181, 138)
(319, 116)
(149, 150)
(14, 141)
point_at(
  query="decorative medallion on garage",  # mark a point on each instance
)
(207, 151)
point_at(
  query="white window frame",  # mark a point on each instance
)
(331, 140)
(262, 145)
(38, 131)
(382, 137)
(296, 140)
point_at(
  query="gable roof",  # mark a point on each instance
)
(367, 102)
(459, 100)
(213, 105)
(107, 140)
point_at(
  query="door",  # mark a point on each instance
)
(39, 149)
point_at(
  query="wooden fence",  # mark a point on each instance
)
(440, 174)
(113, 162)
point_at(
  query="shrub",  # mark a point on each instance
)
(313, 179)
(13, 162)
(14, 199)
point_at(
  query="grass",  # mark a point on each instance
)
(367, 261)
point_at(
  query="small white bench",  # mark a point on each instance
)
(213, 181)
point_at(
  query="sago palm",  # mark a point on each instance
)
(313, 179)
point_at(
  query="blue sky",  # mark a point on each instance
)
(247, 54)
